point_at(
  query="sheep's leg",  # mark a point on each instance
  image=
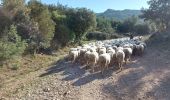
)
(107, 66)
(93, 68)
(87, 65)
(120, 69)
(111, 63)
(102, 69)
(126, 61)
(129, 59)
(73, 60)
(121, 66)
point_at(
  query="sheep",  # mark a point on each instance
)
(109, 48)
(144, 44)
(113, 56)
(128, 45)
(73, 49)
(114, 47)
(128, 53)
(81, 56)
(106, 53)
(120, 55)
(92, 49)
(102, 50)
(79, 47)
(140, 38)
(73, 55)
(104, 61)
(119, 48)
(138, 49)
(93, 59)
(87, 57)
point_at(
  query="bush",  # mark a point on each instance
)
(40, 14)
(63, 35)
(100, 36)
(142, 29)
(11, 44)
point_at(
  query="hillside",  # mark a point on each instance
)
(119, 14)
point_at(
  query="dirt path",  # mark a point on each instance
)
(145, 78)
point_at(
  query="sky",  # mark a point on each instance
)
(102, 5)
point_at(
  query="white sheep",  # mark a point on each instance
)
(73, 55)
(73, 49)
(120, 55)
(104, 61)
(112, 53)
(102, 50)
(109, 48)
(87, 57)
(138, 49)
(114, 47)
(93, 59)
(119, 48)
(82, 55)
(128, 54)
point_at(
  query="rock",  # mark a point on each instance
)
(46, 89)
(2, 98)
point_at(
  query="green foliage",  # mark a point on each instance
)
(11, 44)
(40, 14)
(81, 21)
(11, 7)
(142, 29)
(63, 35)
(15, 66)
(159, 13)
(4, 22)
(100, 36)
(131, 25)
(104, 25)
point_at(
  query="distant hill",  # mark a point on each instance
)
(119, 14)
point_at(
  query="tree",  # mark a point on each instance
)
(104, 25)
(4, 21)
(40, 14)
(142, 29)
(159, 13)
(63, 34)
(81, 21)
(11, 44)
(128, 25)
(9, 12)
(12, 7)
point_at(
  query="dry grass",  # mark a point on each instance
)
(24, 65)
(30, 63)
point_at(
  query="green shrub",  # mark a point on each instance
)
(142, 29)
(11, 44)
(63, 35)
(100, 36)
(15, 66)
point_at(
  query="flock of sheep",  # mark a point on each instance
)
(107, 53)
